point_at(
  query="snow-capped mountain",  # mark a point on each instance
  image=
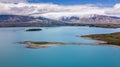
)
(82, 18)
(24, 19)
(19, 20)
(59, 15)
(92, 19)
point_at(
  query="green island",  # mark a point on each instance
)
(42, 44)
(109, 39)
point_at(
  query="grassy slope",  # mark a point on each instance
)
(113, 38)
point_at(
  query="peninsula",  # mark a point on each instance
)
(109, 39)
(43, 44)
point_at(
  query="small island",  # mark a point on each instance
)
(109, 39)
(42, 44)
(33, 29)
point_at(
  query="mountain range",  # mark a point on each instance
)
(20, 20)
(92, 19)
(25, 21)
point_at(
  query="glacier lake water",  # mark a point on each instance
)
(13, 54)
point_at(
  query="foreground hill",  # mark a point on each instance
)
(111, 39)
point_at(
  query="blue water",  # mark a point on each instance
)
(13, 54)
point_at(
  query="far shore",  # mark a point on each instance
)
(22, 24)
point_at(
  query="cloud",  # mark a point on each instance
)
(13, 1)
(114, 11)
(54, 10)
(27, 8)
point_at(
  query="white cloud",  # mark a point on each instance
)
(54, 10)
(26, 8)
(13, 1)
(114, 11)
(117, 6)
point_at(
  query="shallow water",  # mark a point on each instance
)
(13, 54)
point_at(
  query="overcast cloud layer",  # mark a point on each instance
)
(54, 10)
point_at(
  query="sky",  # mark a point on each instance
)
(58, 8)
(102, 3)
(106, 3)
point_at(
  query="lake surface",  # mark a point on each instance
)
(13, 54)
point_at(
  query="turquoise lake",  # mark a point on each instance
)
(13, 54)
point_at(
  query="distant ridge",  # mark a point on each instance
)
(92, 19)
(25, 21)
(16, 18)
